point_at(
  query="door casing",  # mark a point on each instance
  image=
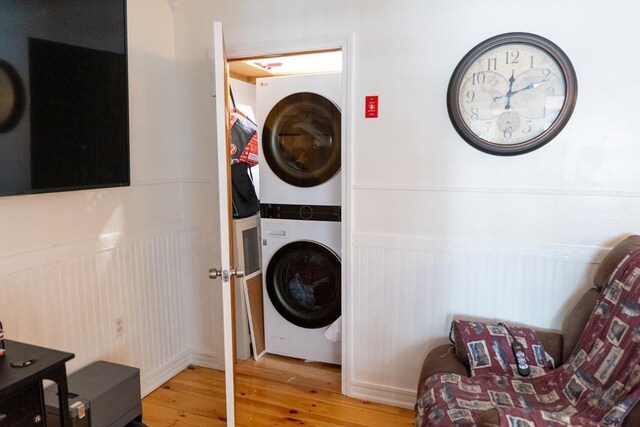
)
(344, 43)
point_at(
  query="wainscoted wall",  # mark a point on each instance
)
(431, 254)
(437, 280)
(438, 229)
(130, 299)
(121, 274)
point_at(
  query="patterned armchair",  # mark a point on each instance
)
(560, 346)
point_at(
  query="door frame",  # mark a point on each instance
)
(345, 43)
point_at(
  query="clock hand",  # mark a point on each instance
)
(532, 85)
(510, 93)
(529, 86)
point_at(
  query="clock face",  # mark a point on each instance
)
(512, 94)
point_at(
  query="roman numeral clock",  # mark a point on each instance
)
(512, 93)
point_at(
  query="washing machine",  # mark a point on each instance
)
(302, 280)
(300, 123)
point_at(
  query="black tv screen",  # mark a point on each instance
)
(64, 113)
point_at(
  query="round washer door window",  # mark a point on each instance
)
(304, 284)
(301, 139)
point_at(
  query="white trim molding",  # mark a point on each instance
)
(500, 190)
(345, 43)
(395, 396)
(155, 379)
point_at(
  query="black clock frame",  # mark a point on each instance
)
(457, 78)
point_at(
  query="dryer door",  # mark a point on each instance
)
(301, 139)
(303, 282)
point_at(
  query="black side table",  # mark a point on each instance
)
(21, 395)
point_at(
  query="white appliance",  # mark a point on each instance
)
(302, 286)
(299, 124)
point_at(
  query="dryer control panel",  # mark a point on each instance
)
(301, 212)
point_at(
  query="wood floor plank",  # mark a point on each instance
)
(275, 391)
(198, 381)
(163, 416)
(205, 406)
(293, 397)
(289, 370)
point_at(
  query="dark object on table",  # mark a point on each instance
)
(111, 390)
(21, 395)
(79, 409)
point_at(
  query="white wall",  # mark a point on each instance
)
(114, 274)
(440, 229)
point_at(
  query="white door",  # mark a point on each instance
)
(225, 271)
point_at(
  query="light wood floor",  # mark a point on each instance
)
(274, 391)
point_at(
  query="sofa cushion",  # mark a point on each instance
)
(487, 348)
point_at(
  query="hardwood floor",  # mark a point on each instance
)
(274, 391)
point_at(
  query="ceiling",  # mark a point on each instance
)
(317, 62)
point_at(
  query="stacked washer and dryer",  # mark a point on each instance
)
(300, 195)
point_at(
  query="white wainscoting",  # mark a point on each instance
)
(133, 298)
(406, 291)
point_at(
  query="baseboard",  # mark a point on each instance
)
(206, 359)
(393, 396)
(160, 376)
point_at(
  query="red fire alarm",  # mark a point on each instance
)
(371, 107)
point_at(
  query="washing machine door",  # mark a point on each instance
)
(301, 139)
(304, 284)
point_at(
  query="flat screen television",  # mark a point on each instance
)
(64, 109)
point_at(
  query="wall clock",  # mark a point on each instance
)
(512, 94)
(11, 97)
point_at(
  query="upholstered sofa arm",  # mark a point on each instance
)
(442, 359)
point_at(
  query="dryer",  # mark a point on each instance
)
(300, 133)
(302, 280)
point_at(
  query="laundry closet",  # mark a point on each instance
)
(289, 302)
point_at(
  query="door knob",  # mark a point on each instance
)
(214, 273)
